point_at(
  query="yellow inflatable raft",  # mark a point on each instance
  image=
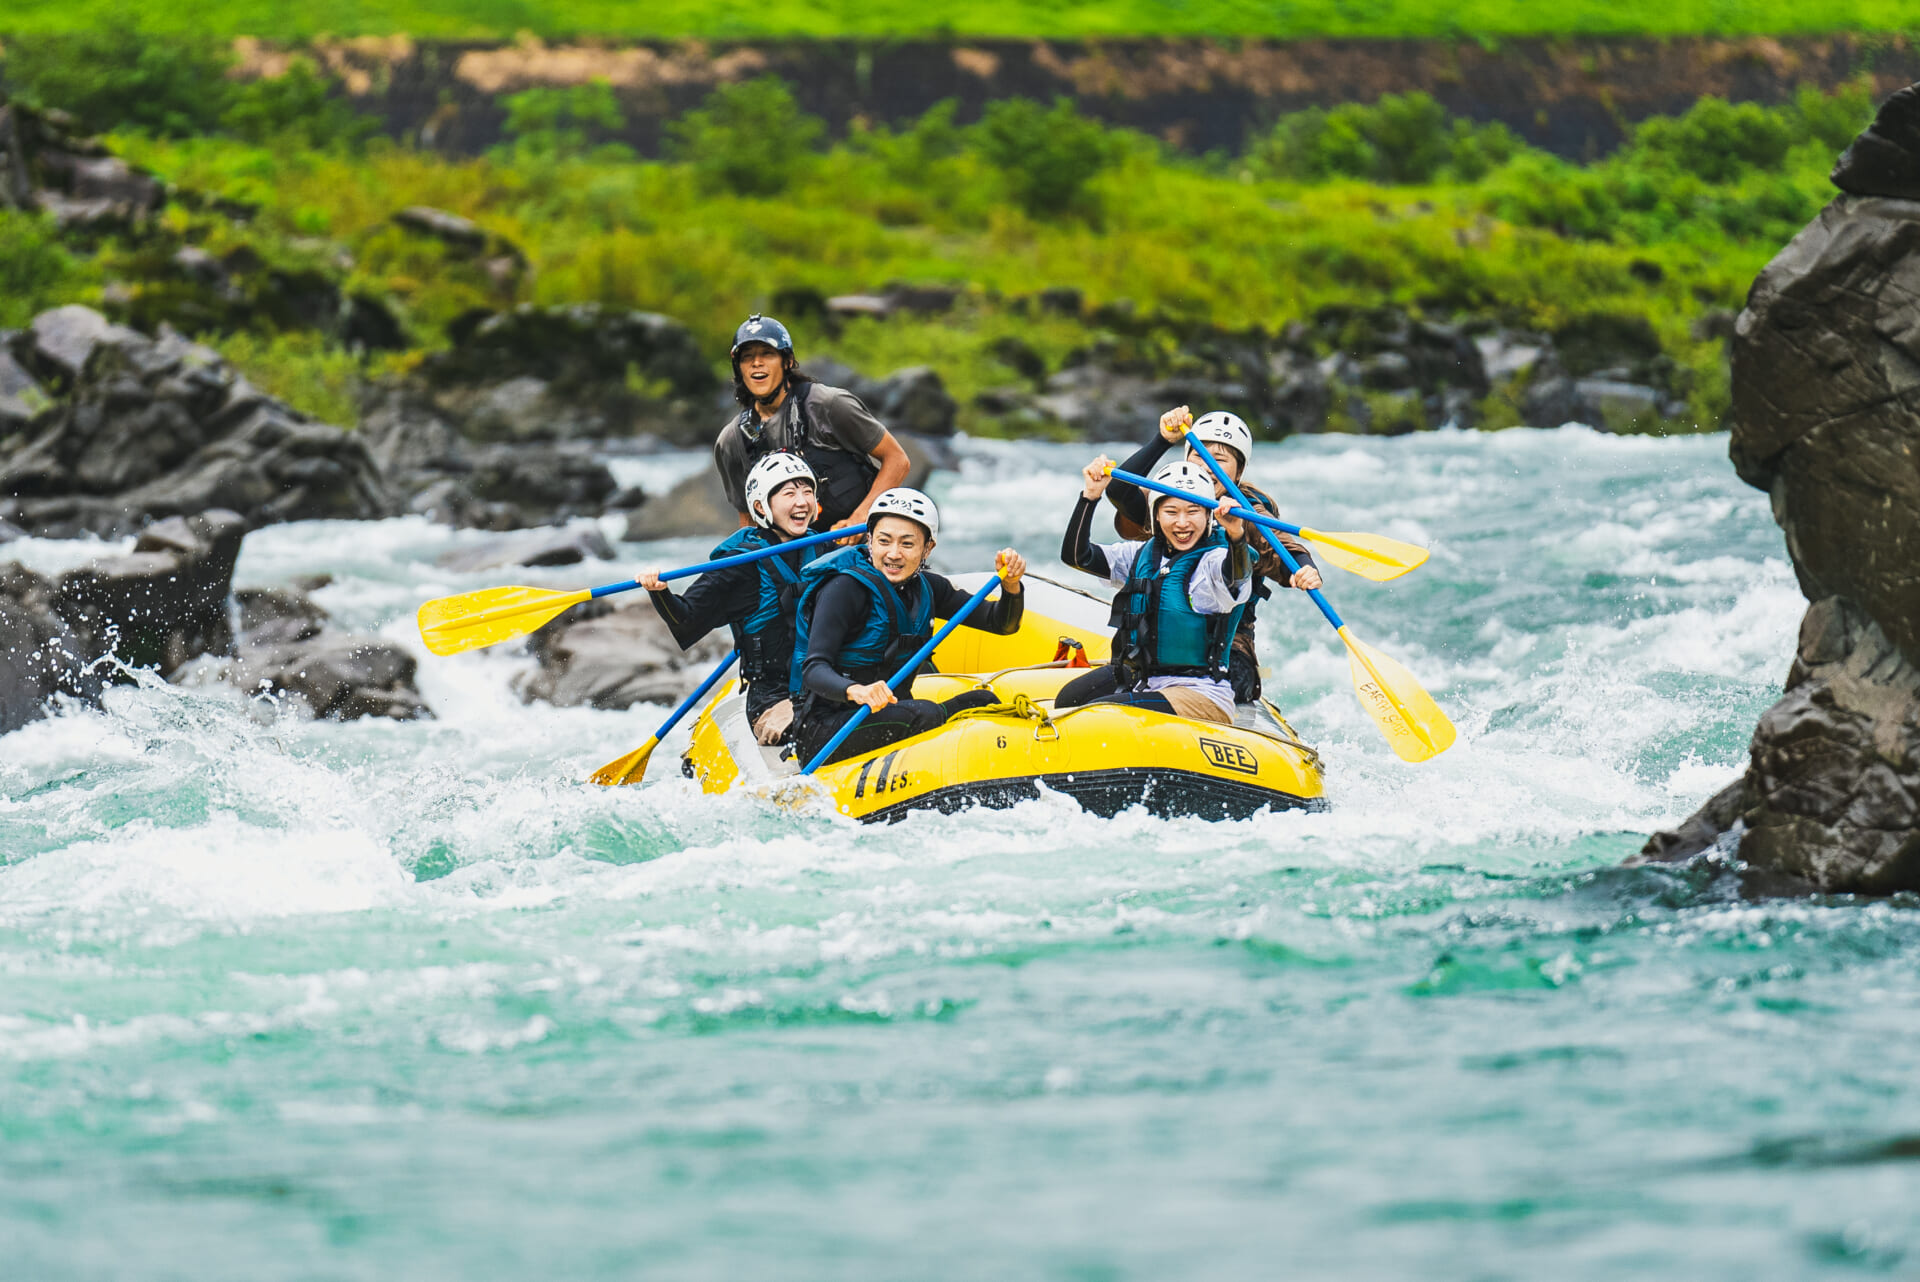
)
(1105, 757)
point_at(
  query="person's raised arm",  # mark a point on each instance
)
(1076, 546)
(715, 598)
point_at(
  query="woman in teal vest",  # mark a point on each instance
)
(864, 610)
(1181, 595)
(755, 601)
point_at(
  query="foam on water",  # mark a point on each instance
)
(382, 999)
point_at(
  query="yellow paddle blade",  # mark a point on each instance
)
(1406, 714)
(452, 624)
(628, 769)
(1368, 555)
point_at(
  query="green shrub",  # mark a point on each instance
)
(747, 138)
(1715, 140)
(119, 76)
(295, 109)
(1402, 138)
(1832, 120)
(36, 271)
(1048, 155)
(553, 122)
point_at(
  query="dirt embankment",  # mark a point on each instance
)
(1574, 97)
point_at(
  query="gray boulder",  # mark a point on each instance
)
(562, 373)
(162, 427)
(547, 547)
(490, 487)
(604, 656)
(40, 656)
(165, 602)
(695, 507)
(1826, 419)
(288, 650)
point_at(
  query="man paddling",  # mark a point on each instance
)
(1228, 439)
(854, 458)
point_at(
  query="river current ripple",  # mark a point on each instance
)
(286, 999)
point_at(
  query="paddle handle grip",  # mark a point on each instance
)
(687, 705)
(741, 558)
(906, 672)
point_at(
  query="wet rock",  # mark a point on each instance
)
(40, 656)
(337, 677)
(533, 548)
(1620, 407)
(560, 373)
(603, 656)
(288, 650)
(491, 487)
(914, 400)
(1885, 159)
(164, 427)
(695, 507)
(46, 165)
(1826, 419)
(165, 602)
(22, 399)
(449, 229)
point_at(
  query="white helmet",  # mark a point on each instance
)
(912, 504)
(768, 475)
(1225, 429)
(1182, 475)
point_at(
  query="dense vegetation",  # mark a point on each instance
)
(1387, 203)
(711, 19)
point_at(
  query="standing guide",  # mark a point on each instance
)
(854, 458)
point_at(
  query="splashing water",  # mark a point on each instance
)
(289, 999)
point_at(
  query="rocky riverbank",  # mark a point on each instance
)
(1826, 369)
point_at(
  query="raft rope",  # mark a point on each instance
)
(1019, 706)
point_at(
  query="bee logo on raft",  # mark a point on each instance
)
(1230, 756)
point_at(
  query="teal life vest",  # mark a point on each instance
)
(765, 637)
(1157, 632)
(898, 623)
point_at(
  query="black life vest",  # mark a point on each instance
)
(841, 478)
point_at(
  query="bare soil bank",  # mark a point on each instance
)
(1573, 97)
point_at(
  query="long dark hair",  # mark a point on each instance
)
(795, 376)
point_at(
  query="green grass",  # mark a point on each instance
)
(502, 19)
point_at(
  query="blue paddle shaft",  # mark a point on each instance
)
(713, 679)
(743, 558)
(906, 672)
(1245, 512)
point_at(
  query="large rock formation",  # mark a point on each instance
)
(1826, 408)
(169, 605)
(129, 429)
(46, 165)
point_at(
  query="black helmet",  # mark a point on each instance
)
(761, 329)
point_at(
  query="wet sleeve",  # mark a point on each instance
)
(1222, 580)
(716, 599)
(838, 611)
(844, 417)
(729, 461)
(1001, 615)
(1129, 499)
(1076, 548)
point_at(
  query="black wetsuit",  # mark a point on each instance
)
(839, 613)
(726, 598)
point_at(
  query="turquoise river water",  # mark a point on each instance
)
(295, 1000)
